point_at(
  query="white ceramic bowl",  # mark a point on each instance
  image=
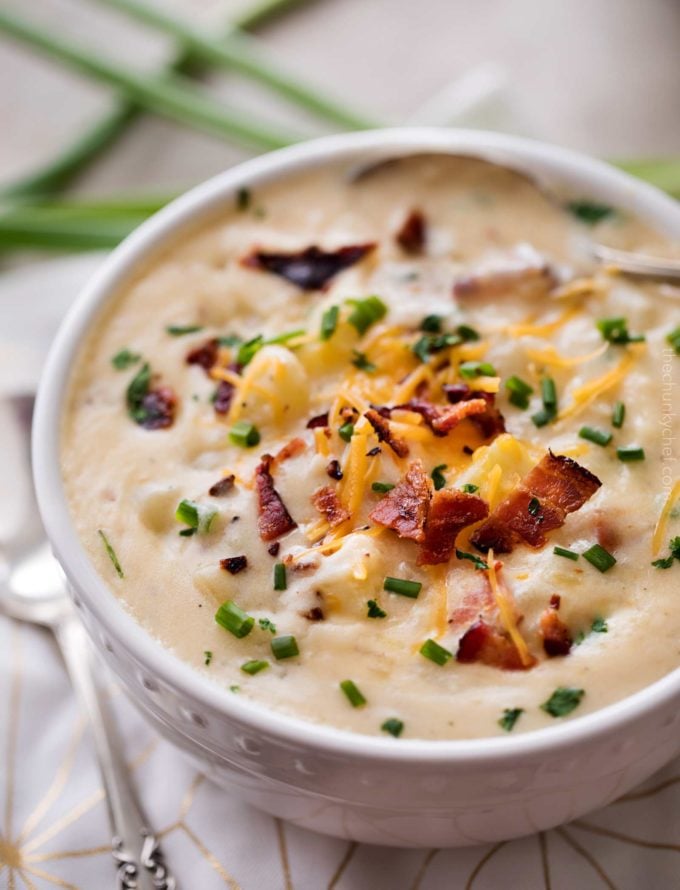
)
(376, 790)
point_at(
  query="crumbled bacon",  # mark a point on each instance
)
(224, 396)
(412, 234)
(384, 433)
(290, 449)
(222, 486)
(158, 408)
(490, 422)
(474, 603)
(311, 268)
(234, 564)
(555, 601)
(320, 420)
(314, 614)
(483, 643)
(554, 487)
(273, 549)
(404, 509)
(443, 418)
(524, 274)
(328, 504)
(273, 518)
(204, 355)
(557, 639)
(334, 470)
(449, 513)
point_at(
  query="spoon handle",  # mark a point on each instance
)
(140, 864)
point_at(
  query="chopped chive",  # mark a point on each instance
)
(179, 330)
(198, 517)
(469, 370)
(615, 330)
(229, 340)
(665, 563)
(280, 580)
(360, 360)
(285, 337)
(254, 666)
(567, 554)
(534, 507)
(519, 391)
(243, 197)
(366, 312)
(467, 333)
(232, 618)
(475, 560)
(374, 610)
(599, 437)
(438, 477)
(430, 343)
(600, 558)
(432, 324)
(543, 417)
(509, 718)
(674, 339)
(329, 322)
(589, 212)
(111, 553)
(402, 587)
(618, 415)
(124, 359)
(248, 350)
(346, 431)
(549, 393)
(394, 726)
(563, 701)
(599, 626)
(284, 647)
(353, 694)
(244, 434)
(469, 488)
(234, 688)
(382, 487)
(267, 624)
(136, 392)
(432, 650)
(630, 453)
(207, 657)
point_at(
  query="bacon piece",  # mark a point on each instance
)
(557, 639)
(204, 355)
(385, 434)
(413, 232)
(224, 396)
(524, 273)
(557, 485)
(222, 486)
(483, 643)
(314, 614)
(328, 504)
(490, 422)
(450, 512)
(158, 408)
(334, 470)
(475, 602)
(234, 564)
(311, 268)
(290, 449)
(320, 420)
(405, 508)
(273, 549)
(273, 518)
(443, 418)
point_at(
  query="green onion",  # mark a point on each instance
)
(229, 340)
(430, 343)
(519, 391)
(244, 434)
(374, 610)
(249, 349)
(111, 553)
(346, 431)
(470, 370)
(543, 417)
(280, 580)
(355, 697)
(438, 477)
(402, 587)
(599, 626)
(366, 312)
(549, 393)
(534, 507)
(567, 554)
(630, 453)
(432, 650)
(234, 688)
(137, 391)
(469, 488)
(177, 330)
(207, 657)
(665, 563)
(394, 726)
(284, 647)
(243, 199)
(674, 339)
(124, 359)
(254, 667)
(329, 322)
(600, 558)
(615, 330)
(467, 333)
(267, 624)
(563, 701)
(197, 516)
(286, 337)
(589, 212)
(599, 437)
(618, 415)
(234, 619)
(475, 560)
(432, 324)
(360, 361)
(509, 718)
(382, 487)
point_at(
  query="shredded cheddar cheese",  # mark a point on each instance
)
(583, 395)
(550, 356)
(507, 613)
(527, 328)
(662, 524)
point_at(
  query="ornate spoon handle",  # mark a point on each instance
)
(136, 851)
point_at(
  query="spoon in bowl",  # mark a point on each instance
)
(33, 589)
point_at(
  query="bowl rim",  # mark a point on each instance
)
(597, 179)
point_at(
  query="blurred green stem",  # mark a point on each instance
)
(664, 173)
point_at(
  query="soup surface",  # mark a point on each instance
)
(383, 449)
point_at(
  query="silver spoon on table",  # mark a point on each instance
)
(33, 589)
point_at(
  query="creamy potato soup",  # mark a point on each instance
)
(385, 450)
